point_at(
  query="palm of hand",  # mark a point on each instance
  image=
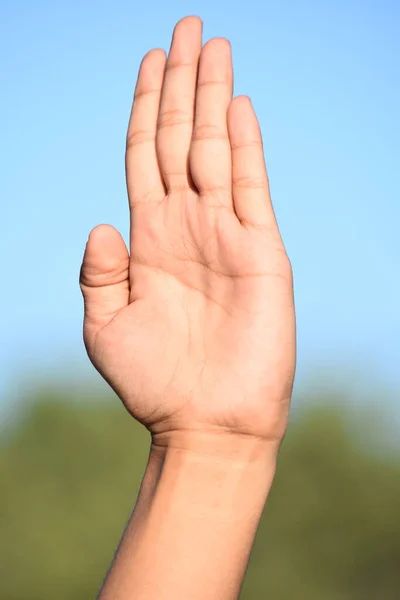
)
(195, 329)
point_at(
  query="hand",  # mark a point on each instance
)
(195, 329)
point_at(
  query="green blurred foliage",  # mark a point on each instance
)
(70, 473)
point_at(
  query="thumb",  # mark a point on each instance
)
(104, 279)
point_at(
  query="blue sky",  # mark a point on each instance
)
(324, 79)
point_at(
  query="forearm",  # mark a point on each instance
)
(193, 527)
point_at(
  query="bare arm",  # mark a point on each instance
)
(193, 527)
(194, 326)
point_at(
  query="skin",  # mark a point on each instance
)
(194, 327)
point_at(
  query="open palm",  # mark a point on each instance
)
(194, 328)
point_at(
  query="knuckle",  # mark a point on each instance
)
(211, 83)
(246, 144)
(111, 272)
(208, 131)
(141, 93)
(150, 196)
(173, 117)
(250, 181)
(212, 188)
(173, 65)
(138, 137)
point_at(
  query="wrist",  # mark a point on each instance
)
(195, 521)
(224, 479)
(234, 448)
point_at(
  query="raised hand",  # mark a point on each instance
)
(194, 328)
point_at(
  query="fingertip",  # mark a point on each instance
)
(105, 242)
(106, 257)
(220, 43)
(190, 25)
(104, 277)
(101, 231)
(243, 123)
(189, 20)
(239, 103)
(155, 54)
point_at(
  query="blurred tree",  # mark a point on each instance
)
(70, 474)
(332, 528)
